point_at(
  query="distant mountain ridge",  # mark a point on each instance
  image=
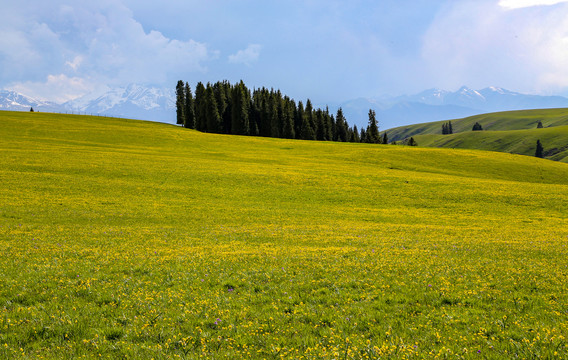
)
(435, 104)
(147, 102)
(133, 101)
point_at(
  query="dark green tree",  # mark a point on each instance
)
(373, 129)
(477, 127)
(355, 137)
(340, 126)
(189, 111)
(363, 136)
(180, 103)
(412, 142)
(309, 126)
(539, 150)
(212, 112)
(288, 118)
(539, 125)
(299, 120)
(240, 110)
(385, 138)
(200, 106)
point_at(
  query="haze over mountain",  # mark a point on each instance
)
(436, 104)
(158, 104)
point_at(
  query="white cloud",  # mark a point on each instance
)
(517, 4)
(246, 56)
(58, 88)
(479, 43)
(88, 44)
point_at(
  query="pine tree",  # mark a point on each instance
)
(240, 110)
(340, 126)
(539, 125)
(329, 124)
(273, 128)
(363, 136)
(355, 137)
(412, 142)
(299, 120)
(385, 138)
(189, 111)
(180, 103)
(373, 129)
(309, 128)
(221, 100)
(288, 127)
(212, 112)
(200, 107)
(320, 126)
(477, 127)
(450, 128)
(539, 150)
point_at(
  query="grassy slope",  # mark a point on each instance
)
(141, 239)
(554, 139)
(497, 134)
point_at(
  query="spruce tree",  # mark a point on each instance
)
(299, 120)
(477, 127)
(288, 127)
(340, 126)
(539, 125)
(356, 137)
(180, 103)
(221, 100)
(539, 150)
(320, 126)
(309, 126)
(385, 138)
(240, 110)
(189, 112)
(200, 107)
(412, 142)
(363, 136)
(450, 128)
(212, 112)
(373, 129)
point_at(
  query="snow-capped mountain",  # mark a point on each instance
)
(436, 104)
(133, 101)
(14, 101)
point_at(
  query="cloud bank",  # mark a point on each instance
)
(329, 50)
(82, 45)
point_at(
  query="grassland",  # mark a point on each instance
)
(128, 239)
(511, 131)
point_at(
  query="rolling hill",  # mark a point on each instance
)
(131, 239)
(511, 131)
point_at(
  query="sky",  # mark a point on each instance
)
(328, 51)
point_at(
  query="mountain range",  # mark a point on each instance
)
(436, 104)
(158, 104)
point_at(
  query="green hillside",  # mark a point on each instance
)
(131, 239)
(511, 131)
(555, 140)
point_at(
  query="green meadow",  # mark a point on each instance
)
(511, 131)
(140, 240)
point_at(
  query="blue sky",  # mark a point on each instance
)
(329, 51)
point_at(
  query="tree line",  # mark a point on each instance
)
(227, 108)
